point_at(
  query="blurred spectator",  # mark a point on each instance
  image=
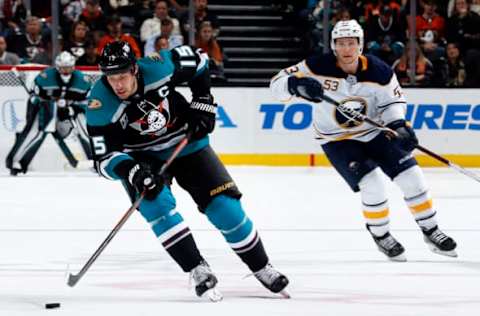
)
(77, 40)
(31, 42)
(455, 67)
(464, 27)
(384, 36)
(209, 44)
(15, 14)
(161, 42)
(475, 6)
(90, 58)
(93, 16)
(115, 33)
(431, 30)
(343, 14)
(166, 30)
(201, 14)
(430, 24)
(44, 56)
(71, 13)
(151, 27)
(373, 9)
(7, 58)
(143, 11)
(423, 68)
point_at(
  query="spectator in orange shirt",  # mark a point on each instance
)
(115, 33)
(423, 68)
(430, 21)
(206, 41)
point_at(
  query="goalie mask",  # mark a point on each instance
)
(65, 64)
(349, 28)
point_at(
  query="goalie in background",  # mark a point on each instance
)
(360, 152)
(57, 106)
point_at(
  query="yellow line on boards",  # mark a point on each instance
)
(321, 160)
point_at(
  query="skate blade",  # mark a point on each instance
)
(213, 295)
(400, 258)
(285, 294)
(446, 253)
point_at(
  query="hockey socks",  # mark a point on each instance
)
(171, 230)
(227, 215)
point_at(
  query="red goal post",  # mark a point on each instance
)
(28, 72)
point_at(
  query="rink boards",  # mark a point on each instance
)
(255, 129)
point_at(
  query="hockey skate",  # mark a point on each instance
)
(440, 243)
(273, 280)
(205, 282)
(390, 247)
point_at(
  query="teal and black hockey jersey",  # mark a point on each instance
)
(151, 121)
(48, 86)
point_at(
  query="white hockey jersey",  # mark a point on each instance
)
(373, 91)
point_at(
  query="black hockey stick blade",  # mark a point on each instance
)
(73, 279)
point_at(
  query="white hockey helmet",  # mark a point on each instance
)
(349, 28)
(65, 64)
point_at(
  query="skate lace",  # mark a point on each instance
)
(199, 274)
(267, 275)
(437, 236)
(388, 242)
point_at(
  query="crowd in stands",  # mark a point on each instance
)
(447, 37)
(86, 26)
(447, 32)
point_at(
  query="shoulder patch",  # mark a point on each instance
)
(94, 104)
(43, 74)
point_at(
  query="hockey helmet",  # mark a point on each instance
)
(349, 28)
(117, 57)
(65, 64)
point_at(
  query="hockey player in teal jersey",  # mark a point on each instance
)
(135, 119)
(57, 106)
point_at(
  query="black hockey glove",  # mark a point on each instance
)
(64, 112)
(201, 116)
(405, 138)
(143, 179)
(306, 87)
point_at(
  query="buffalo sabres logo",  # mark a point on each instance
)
(345, 112)
(155, 119)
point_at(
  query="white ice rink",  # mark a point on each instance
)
(311, 225)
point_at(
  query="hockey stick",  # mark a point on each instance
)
(22, 83)
(74, 278)
(357, 115)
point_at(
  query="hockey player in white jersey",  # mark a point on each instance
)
(358, 150)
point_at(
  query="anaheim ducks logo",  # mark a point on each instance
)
(154, 120)
(345, 113)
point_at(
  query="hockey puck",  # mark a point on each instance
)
(52, 305)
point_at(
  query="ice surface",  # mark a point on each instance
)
(309, 220)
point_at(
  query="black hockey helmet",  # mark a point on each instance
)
(117, 57)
